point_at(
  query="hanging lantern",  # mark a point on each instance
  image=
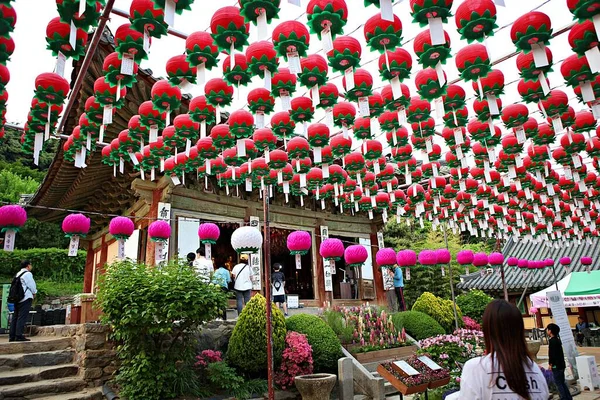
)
(388, 121)
(533, 28)
(313, 71)
(407, 259)
(423, 11)
(318, 136)
(8, 19)
(476, 19)
(381, 34)
(454, 98)
(473, 62)
(298, 243)
(496, 259)
(69, 11)
(58, 38)
(201, 112)
(237, 73)
(121, 228)
(362, 128)
(515, 116)
(583, 37)
(583, 9)
(150, 118)
(260, 101)
(566, 262)
(241, 124)
(531, 91)
(209, 234)
(363, 85)
(418, 110)
(328, 96)
(50, 88)
(179, 70)
(260, 12)
(327, 17)
(112, 72)
(484, 111)
(222, 137)
(398, 104)
(12, 218)
(283, 84)
(466, 258)
(137, 132)
(201, 51)
(555, 104)
(428, 85)
(480, 260)
(431, 55)
(265, 140)
(443, 258)
(229, 30)
(587, 262)
(291, 40)
(331, 249)
(576, 70)
(344, 114)
(345, 54)
(376, 105)
(427, 257)
(282, 125)
(355, 256)
(186, 128)
(584, 122)
(386, 258)
(246, 240)
(298, 148)
(165, 97)
(262, 60)
(148, 17)
(159, 232)
(131, 42)
(218, 94)
(7, 47)
(340, 146)
(93, 110)
(302, 110)
(107, 95)
(75, 226)
(529, 70)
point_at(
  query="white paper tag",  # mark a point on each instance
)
(133, 158)
(9, 240)
(326, 40)
(436, 31)
(539, 55)
(286, 102)
(500, 3)
(73, 36)
(294, 62)
(121, 249)
(363, 106)
(520, 135)
(557, 125)
(248, 184)
(492, 104)
(82, 4)
(73, 246)
(295, 2)
(458, 137)
(170, 12)
(396, 88)
(317, 154)
(440, 74)
(146, 43)
(593, 57)
(587, 92)
(60, 63)
(175, 180)
(387, 13)
(127, 64)
(261, 24)
(107, 114)
(160, 253)
(38, 142)
(349, 78)
(302, 180)
(241, 148)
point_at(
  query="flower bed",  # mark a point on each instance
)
(404, 383)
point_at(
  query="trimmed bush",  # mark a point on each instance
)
(325, 344)
(417, 324)
(51, 264)
(473, 303)
(439, 309)
(248, 344)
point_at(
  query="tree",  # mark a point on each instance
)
(38, 235)
(12, 186)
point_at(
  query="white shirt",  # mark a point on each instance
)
(242, 277)
(28, 283)
(204, 268)
(480, 382)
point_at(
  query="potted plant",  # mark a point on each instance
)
(406, 384)
(435, 377)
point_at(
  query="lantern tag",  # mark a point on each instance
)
(396, 89)
(260, 120)
(267, 79)
(407, 272)
(539, 55)
(160, 254)
(387, 13)
(261, 23)
(302, 180)
(286, 102)
(73, 246)
(121, 249)
(326, 40)
(349, 76)
(201, 74)
(545, 86)
(500, 3)
(37, 146)
(146, 43)
(298, 261)
(492, 104)
(520, 135)
(127, 64)
(133, 158)
(295, 2)
(317, 154)
(325, 169)
(363, 105)
(436, 30)
(60, 63)
(107, 114)
(73, 36)
(557, 124)
(587, 92)
(248, 184)
(9, 239)
(440, 74)
(294, 62)
(593, 57)
(329, 117)
(82, 4)
(175, 180)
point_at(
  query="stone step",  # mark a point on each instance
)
(85, 394)
(389, 388)
(36, 345)
(34, 374)
(10, 362)
(41, 389)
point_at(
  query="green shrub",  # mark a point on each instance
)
(325, 344)
(248, 344)
(335, 320)
(417, 324)
(473, 303)
(155, 313)
(51, 264)
(439, 309)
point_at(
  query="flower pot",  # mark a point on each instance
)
(533, 347)
(438, 383)
(315, 386)
(398, 384)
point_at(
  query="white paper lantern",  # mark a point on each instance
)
(246, 239)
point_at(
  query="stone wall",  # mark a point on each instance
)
(52, 303)
(215, 335)
(94, 352)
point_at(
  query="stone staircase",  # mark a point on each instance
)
(45, 368)
(390, 391)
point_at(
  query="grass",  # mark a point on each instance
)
(49, 288)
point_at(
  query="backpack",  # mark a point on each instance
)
(16, 293)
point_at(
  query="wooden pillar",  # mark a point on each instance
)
(320, 293)
(377, 274)
(89, 268)
(152, 214)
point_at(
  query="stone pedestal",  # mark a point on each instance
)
(315, 386)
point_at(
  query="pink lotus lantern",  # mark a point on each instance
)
(496, 260)
(480, 260)
(533, 310)
(121, 228)
(159, 232)
(386, 258)
(443, 257)
(587, 261)
(427, 257)
(548, 262)
(75, 226)
(406, 259)
(208, 234)
(12, 218)
(512, 261)
(331, 250)
(566, 262)
(298, 243)
(465, 257)
(355, 255)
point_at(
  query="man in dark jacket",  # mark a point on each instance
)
(556, 361)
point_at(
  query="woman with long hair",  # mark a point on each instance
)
(506, 372)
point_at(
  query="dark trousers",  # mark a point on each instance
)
(561, 385)
(242, 297)
(19, 318)
(400, 295)
(226, 291)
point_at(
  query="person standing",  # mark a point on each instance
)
(583, 330)
(204, 266)
(22, 307)
(242, 285)
(556, 361)
(399, 288)
(390, 293)
(191, 257)
(278, 285)
(222, 277)
(506, 372)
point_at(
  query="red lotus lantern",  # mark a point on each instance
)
(282, 125)
(382, 34)
(318, 137)
(362, 128)
(327, 17)
(531, 91)
(8, 19)
(151, 118)
(584, 122)
(291, 40)
(529, 70)
(361, 87)
(148, 17)
(476, 19)
(50, 88)
(222, 137)
(265, 140)
(423, 11)
(531, 32)
(260, 101)
(58, 37)
(428, 85)
(259, 12)
(576, 70)
(236, 73)
(473, 62)
(313, 73)
(397, 63)
(394, 102)
(431, 55)
(345, 54)
(229, 30)
(7, 47)
(302, 109)
(241, 124)
(487, 110)
(179, 70)
(388, 121)
(202, 112)
(340, 146)
(283, 84)
(218, 94)
(130, 42)
(555, 104)
(418, 110)
(344, 114)
(514, 116)
(165, 97)
(262, 60)
(583, 9)
(107, 95)
(201, 52)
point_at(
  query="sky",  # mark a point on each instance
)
(31, 57)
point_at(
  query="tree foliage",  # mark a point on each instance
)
(37, 234)
(11, 151)
(50, 264)
(154, 313)
(439, 309)
(473, 303)
(417, 324)
(12, 186)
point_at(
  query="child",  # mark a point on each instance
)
(556, 361)
(278, 279)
